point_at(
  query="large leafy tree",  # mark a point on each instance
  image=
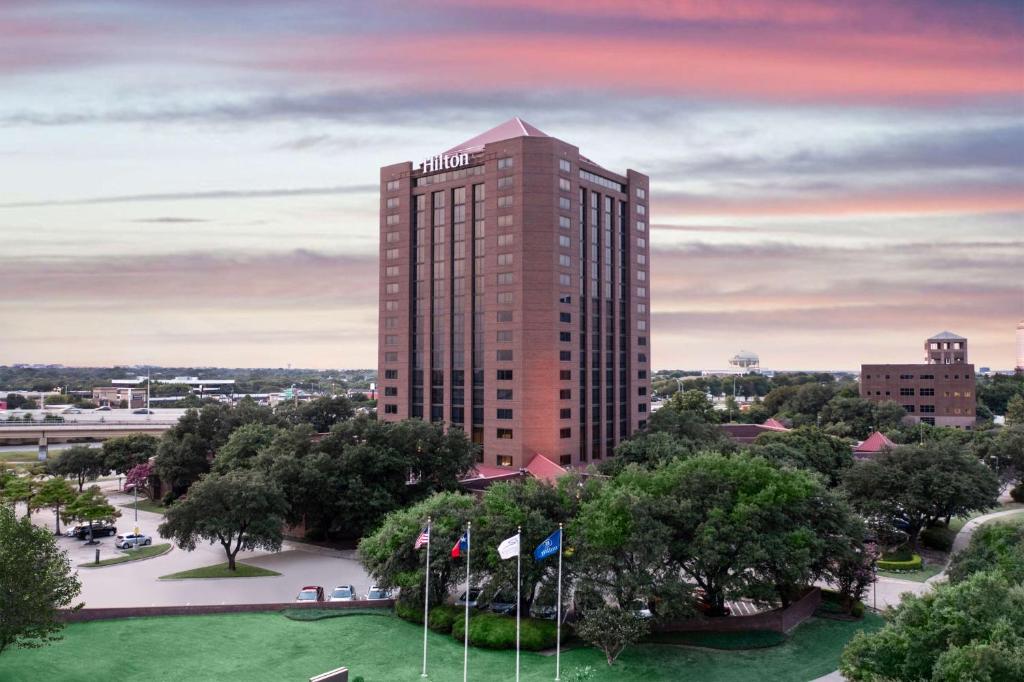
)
(124, 453)
(922, 484)
(243, 445)
(21, 489)
(807, 447)
(1002, 448)
(35, 583)
(80, 462)
(389, 556)
(55, 493)
(993, 546)
(973, 630)
(240, 510)
(321, 414)
(91, 507)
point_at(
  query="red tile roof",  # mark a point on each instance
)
(514, 127)
(774, 424)
(544, 469)
(876, 442)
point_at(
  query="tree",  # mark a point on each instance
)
(1003, 448)
(921, 484)
(180, 461)
(80, 462)
(1015, 410)
(970, 630)
(21, 489)
(139, 476)
(91, 506)
(55, 493)
(243, 445)
(124, 453)
(651, 448)
(695, 402)
(240, 510)
(993, 546)
(321, 414)
(35, 583)
(611, 630)
(852, 571)
(807, 447)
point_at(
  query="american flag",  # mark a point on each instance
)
(422, 539)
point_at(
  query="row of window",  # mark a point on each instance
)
(926, 377)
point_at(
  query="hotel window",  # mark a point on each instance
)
(391, 271)
(393, 237)
(641, 259)
(641, 226)
(641, 243)
(391, 409)
(506, 239)
(641, 357)
(506, 278)
(505, 434)
(564, 241)
(641, 193)
(641, 340)
(391, 391)
(394, 185)
(564, 165)
(506, 258)
(564, 222)
(506, 298)
(923, 376)
(906, 376)
(967, 394)
(506, 162)
(506, 201)
(928, 420)
(565, 355)
(563, 203)
(641, 275)
(566, 432)
(504, 375)
(641, 308)
(642, 424)
(641, 209)
(641, 292)
(506, 182)
(908, 408)
(391, 374)
(564, 280)
(390, 322)
(503, 356)
(927, 408)
(391, 254)
(392, 202)
(642, 407)
(390, 340)
(391, 306)
(565, 317)
(504, 413)
(565, 298)
(924, 391)
(565, 375)
(565, 394)
(907, 391)
(504, 460)
(394, 219)
(391, 357)
(642, 390)
(641, 374)
(504, 394)
(504, 336)
(391, 288)
(641, 325)
(564, 260)
(565, 337)
(504, 316)
(505, 221)
(564, 185)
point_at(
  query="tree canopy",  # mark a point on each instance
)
(126, 452)
(80, 462)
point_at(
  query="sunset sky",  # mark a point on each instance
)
(194, 182)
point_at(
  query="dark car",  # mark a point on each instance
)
(99, 530)
(503, 604)
(310, 593)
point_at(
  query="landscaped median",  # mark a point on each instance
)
(137, 554)
(222, 571)
(147, 505)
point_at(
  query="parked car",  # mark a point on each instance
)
(474, 595)
(310, 593)
(547, 612)
(503, 604)
(131, 540)
(343, 593)
(102, 408)
(99, 530)
(640, 609)
(377, 593)
(142, 410)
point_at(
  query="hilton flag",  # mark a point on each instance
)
(509, 547)
(549, 546)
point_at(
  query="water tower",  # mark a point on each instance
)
(746, 361)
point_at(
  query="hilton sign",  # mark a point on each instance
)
(444, 162)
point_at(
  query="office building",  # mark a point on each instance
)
(940, 392)
(115, 396)
(514, 297)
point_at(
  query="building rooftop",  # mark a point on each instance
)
(948, 336)
(514, 127)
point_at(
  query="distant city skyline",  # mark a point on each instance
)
(193, 183)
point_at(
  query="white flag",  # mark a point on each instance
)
(509, 547)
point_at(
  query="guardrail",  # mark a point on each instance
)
(86, 424)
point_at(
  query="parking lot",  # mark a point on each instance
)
(136, 583)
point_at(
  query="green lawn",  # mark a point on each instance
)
(221, 571)
(381, 648)
(1010, 519)
(146, 504)
(927, 571)
(19, 456)
(131, 555)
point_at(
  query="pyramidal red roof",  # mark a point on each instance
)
(543, 468)
(514, 127)
(876, 442)
(772, 423)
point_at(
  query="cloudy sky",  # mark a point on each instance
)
(194, 181)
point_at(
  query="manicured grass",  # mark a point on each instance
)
(268, 646)
(1010, 519)
(927, 571)
(146, 504)
(221, 571)
(19, 456)
(729, 641)
(131, 555)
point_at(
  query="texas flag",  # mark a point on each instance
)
(461, 546)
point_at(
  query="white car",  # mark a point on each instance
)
(131, 540)
(377, 593)
(343, 593)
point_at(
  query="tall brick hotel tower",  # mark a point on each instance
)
(514, 297)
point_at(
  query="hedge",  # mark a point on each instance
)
(914, 564)
(938, 537)
(410, 612)
(1017, 494)
(443, 617)
(494, 631)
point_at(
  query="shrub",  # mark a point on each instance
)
(938, 537)
(443, 617)
(913, 564)
(410, 612)
(494, 631)
(1017, 494)
(901, 553)
(858, 610)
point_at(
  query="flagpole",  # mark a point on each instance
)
(465, 651)
(519, 581)
(558, 610)
(426, 602)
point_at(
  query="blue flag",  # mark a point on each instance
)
(549, 546)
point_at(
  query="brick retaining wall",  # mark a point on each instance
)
(776, 620)
(84, 615)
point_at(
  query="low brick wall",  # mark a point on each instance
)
(776, 620)
(84, 615)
